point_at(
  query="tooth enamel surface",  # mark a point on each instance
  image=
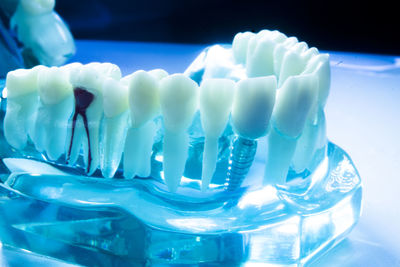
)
(107, 69)
(293, 64)
(239, 46)
(216, 97)
(294, 101)
(280, 51)
(37, 7)
(178, 98)
(252, 106)
(115, 97)
(158, 73)
(319, 65)
(21, 106)
(53, 85)
(260, 57)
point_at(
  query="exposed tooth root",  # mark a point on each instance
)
(178, 98)
(294, 101)
(22, 103)
(252, 108)
(138, 149)
(216, 97)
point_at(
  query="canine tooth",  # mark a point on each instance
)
(178, 99)
(252, 107)
(239, 46)
(216, 97)
(279, 52)
(87, 83)
(55, 92)
(144, 104)
(319, 65)
(115, 104)
(294, 101)
(22, 103)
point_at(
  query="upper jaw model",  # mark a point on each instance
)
(263, 95)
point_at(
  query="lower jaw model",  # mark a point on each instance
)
(223, 164)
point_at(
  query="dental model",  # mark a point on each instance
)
(264, 95)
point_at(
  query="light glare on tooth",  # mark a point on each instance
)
(216, 97)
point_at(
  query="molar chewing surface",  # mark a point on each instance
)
(90, 110)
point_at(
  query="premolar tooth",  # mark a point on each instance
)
(252, 107)
(280, 51)
(22, 103)
(144, 104)
(239, 46)
(294, 101)
(115, 104)
(216, 97)
(319, 65)
(56, 107)
(178, 99)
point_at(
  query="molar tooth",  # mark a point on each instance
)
(56, 107)
(294, 101)
(115, 104)
(178, 99)
(158, 73)
(144, 104)
(87, 82)
(239, 46)
(216, 97)
(22, 103)
(252, 107)
(319, 65)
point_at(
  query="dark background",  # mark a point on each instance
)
(328, 25)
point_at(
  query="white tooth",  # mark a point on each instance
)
(319, 65)
(115, 104)
(252, 106)
(144, 104)
(37, 7)
(158, 73)
(106, 70)
(279, 52)
(260, 57)
(239, 46)
(294, 101)
(216, 97)
(85, 122)
(178, 99)
(56, 107)
(22, 103)
(299, 47)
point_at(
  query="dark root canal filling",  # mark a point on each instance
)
(83, 99)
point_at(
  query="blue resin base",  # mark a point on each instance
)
(103, 222)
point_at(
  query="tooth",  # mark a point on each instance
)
(294, 101)
(279, 53)
(216, 97)
(38, 7)
(252, 107)
(22, 103)
(115, 105)
(144, 104)
(178, 99)
(239, 46)
(319, 65)
(87, 85)
(56, 107)
(260, 57)
(158, 74)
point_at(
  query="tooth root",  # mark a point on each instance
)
(294, 101)
(138, 149)
(178, 99)
(112, 144)
(76, 136)
(216, 98)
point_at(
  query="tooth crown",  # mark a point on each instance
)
(216, 97)
(22, 81)
(37, 7)
(178, 95)
(252, 106)
(53, 85)
(115, 97)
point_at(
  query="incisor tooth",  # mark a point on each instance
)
(216, 97)
(178, 99)
(22, 103)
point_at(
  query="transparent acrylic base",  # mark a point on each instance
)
(104, 222)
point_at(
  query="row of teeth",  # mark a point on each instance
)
(111, 118)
